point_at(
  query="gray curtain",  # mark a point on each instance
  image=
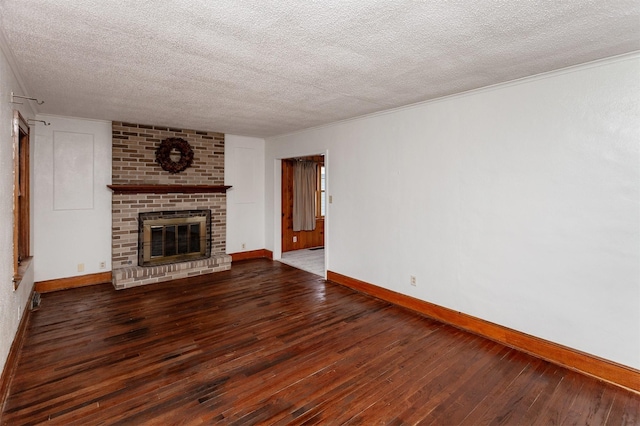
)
(304, 196)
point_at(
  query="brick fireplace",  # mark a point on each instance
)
(134, 164)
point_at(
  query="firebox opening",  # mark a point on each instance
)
(174, 236)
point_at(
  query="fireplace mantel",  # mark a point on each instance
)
(168, 189)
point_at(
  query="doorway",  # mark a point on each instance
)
(303, 246)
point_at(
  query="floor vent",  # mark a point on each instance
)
(35, 301)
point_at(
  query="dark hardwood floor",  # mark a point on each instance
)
(265, 343)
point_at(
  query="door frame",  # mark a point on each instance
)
(277, 207)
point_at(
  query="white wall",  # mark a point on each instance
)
(517, 204)
(12, 303)
(72, 204)
(244, 171)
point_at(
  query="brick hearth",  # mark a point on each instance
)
(134, 276)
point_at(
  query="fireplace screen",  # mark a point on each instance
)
(177, 236)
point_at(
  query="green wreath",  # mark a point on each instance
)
(163, 155)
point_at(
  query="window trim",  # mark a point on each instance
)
(21, 198)
(319, 190)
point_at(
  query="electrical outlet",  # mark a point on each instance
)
(330, 199)
(244, 246)
(80, 267)
(103, 265)
(295, 239)
(412, 280)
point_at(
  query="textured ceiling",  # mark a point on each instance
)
(269, 67)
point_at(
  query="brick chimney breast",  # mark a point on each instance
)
(134, 162)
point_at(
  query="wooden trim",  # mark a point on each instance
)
(253, 254)
(72, 282)
(11, 363)
(304, 239)
(573, 359)
(20, 132)
(166, 189)
(16, 183)
(25, 191)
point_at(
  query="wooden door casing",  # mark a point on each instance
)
(304, 239)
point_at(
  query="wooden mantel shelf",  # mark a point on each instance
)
(167, 189)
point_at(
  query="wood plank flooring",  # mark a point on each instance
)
(266, 343)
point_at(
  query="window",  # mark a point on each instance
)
(320, 191)
(21, 190)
